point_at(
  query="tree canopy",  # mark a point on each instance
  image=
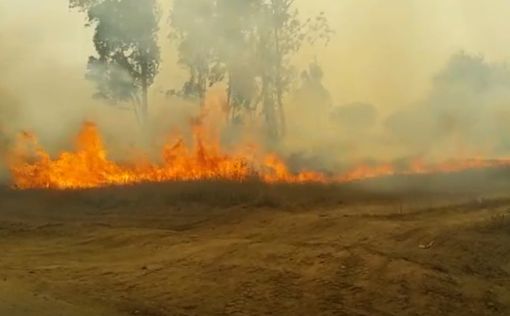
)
(127, 54)
(246, 44)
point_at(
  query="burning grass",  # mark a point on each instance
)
(396, 190)
(88, 164)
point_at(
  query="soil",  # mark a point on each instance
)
(219, 249)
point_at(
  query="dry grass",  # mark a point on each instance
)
(402, 194)
(225, 193)
(499, 221)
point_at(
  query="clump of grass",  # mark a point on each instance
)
(496, 222)
(499, 221)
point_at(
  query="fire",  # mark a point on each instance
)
(365, 172)
(456, 165)
(88, 165)
(278, 172)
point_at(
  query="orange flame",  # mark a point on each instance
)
(366, 172)
(88, 166)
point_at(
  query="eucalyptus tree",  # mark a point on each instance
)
(248, 45)
(193, 27)
(127, 54)
(281, 34)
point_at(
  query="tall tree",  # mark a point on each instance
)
(311, 92)
(193, 24)
(281, 36)
(82, 4)
(213, 39)
(216, 41)
(237, 30)
(248, 45)
(128, 55)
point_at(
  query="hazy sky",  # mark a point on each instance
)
(383, 52)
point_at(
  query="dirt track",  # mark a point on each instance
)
(129, 252)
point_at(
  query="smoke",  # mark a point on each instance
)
(391, 85)
(465, 113)
(43, 62)
(42, 66)
(8, 113)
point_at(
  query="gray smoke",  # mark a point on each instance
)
(465, 113)
(363, 103)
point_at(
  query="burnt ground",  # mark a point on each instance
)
(430, 245)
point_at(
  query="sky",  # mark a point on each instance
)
(383, 52)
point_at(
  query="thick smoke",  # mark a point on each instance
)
(8, 113)
(43, 85)
(360, 99)
(464, 115)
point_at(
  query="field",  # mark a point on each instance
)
(414, 245)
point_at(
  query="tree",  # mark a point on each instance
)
(128, 56)
(193, 24)
(246, 44)
(312, 100)
(281, 35)
(216, 44)
(237, 32)
(82, 4)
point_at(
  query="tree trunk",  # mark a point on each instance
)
(231, 110)
(136, 108)
(145, 103)
(202, 87)
(279, 88)
(269, 108)
(144, 113)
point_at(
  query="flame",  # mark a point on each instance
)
(456, 165)
(88, 165)
(366, 172)
(278, 172)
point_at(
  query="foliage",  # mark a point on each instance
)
(247, 44)
(128, 56)
(83, 4)
(281, 35)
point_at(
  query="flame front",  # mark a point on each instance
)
(88, 166)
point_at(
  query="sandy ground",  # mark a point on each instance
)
(156, 251)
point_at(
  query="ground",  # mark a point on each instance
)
(406, 247)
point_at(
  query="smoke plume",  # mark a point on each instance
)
(359, 99)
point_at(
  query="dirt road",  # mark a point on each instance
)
(127, 253)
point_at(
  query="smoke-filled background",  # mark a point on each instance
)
(398, 80)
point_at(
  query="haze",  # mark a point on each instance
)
(383, 53)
